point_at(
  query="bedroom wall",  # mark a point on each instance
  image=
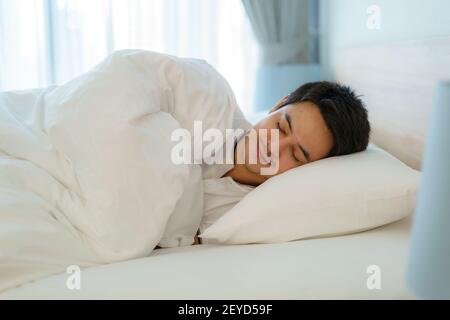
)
(344, 23)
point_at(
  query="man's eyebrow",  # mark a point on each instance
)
(289, 120)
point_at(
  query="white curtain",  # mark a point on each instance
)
(282, 28)
(45, 42)
(22, 44)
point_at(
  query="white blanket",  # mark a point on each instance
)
(85, 171)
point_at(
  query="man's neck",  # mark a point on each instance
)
(240, 174)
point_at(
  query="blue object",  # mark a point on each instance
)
(428, 272)
(274, 82)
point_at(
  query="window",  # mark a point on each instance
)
(44, 42)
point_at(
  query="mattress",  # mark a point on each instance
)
(325, 268)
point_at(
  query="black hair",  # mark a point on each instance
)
(344, 113)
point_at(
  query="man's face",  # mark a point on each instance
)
(303, 137)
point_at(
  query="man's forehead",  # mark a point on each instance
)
(310, 128)
(305, 117)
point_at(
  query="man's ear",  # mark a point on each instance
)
(279, 104)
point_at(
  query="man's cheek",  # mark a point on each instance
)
(284, 165)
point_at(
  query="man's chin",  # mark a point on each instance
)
(252, 168)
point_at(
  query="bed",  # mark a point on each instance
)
(328, 268)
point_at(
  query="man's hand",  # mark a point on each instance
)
(196, 240)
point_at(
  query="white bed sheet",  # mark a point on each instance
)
(329, 268)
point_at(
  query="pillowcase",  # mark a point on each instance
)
(329, 197)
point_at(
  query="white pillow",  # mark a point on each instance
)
(333, 196)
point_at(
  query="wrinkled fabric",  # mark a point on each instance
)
(86, 175)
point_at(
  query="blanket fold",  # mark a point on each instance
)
(86, 175)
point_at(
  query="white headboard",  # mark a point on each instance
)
(397, 81)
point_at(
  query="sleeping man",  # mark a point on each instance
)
(87, 175)
(316, 121)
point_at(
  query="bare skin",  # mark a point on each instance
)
(303, 138)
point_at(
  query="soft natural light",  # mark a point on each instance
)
(45, 42)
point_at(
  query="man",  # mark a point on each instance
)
(316, 121)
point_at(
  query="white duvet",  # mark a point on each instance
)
(85, 171)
